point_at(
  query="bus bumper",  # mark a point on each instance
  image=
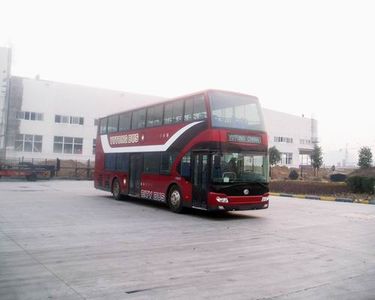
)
(224, 202)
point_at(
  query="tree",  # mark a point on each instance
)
(316, 159)
(365, 158)
(275, 157)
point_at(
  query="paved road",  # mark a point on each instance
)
(66, 240)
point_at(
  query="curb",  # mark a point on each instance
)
(324, 198)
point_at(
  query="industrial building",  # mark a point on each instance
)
(41, 119)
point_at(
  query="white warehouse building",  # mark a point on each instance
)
(47, 120)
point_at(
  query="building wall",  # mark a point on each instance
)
(5, 56)
(45, 99)
(293, 136)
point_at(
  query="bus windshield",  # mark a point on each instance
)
(231, 110)
(239, 167)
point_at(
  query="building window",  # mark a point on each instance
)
(28, 143)
(305, 159)
(286, 158)
(283, 139)
(29, 115)
(305, 142)
(67, 145)
(69, 119)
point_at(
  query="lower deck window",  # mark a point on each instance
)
(151, 163)
(116, 162)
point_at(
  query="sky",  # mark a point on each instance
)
(315, 58)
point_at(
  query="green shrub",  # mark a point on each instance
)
(361, 184)
(293, 175)
(308, 187)
(338, 177)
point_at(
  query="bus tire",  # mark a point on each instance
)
(116, 190)
(31, 177)
(175, 202)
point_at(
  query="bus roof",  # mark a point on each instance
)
(204, 92)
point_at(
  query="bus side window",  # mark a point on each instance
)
(124, 123)
(177, 111)
(151, 163)
(139, 119)
(173, 112)
(110, 161)
(113, 124)
(166, 163)
(154, 116)
(189, 105)
(122, 162)
(185, 167)
(199, 108)
(103, 126)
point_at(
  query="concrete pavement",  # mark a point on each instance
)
(66, 240)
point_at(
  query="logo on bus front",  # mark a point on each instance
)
(132, 138)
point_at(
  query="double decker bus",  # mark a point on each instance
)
(207, 150)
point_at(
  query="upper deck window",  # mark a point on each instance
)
(155, 116)
(231, 110)
(103, 126)
(124, 123)
(195, 108)
(173, 112)
(139, 119)
(113, 124)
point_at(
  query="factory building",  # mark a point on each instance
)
(41, 119)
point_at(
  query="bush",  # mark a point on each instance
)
(293, 175)
(308, 187)
(360, 184)
(338, 177)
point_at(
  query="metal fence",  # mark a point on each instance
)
(59, 168)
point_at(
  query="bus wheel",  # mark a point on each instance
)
(116, 190)
(175, 199)
(31, 177)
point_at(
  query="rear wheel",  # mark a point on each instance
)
(175, 199)
(116, 190)
(31, 177)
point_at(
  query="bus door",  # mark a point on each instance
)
(135, 171)
(200, 179)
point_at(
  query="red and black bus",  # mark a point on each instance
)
(206, 150)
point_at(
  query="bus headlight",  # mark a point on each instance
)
(222, 199)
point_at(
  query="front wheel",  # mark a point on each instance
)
(175, 202)
(116, 190)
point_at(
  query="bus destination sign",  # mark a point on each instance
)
(249, 139)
